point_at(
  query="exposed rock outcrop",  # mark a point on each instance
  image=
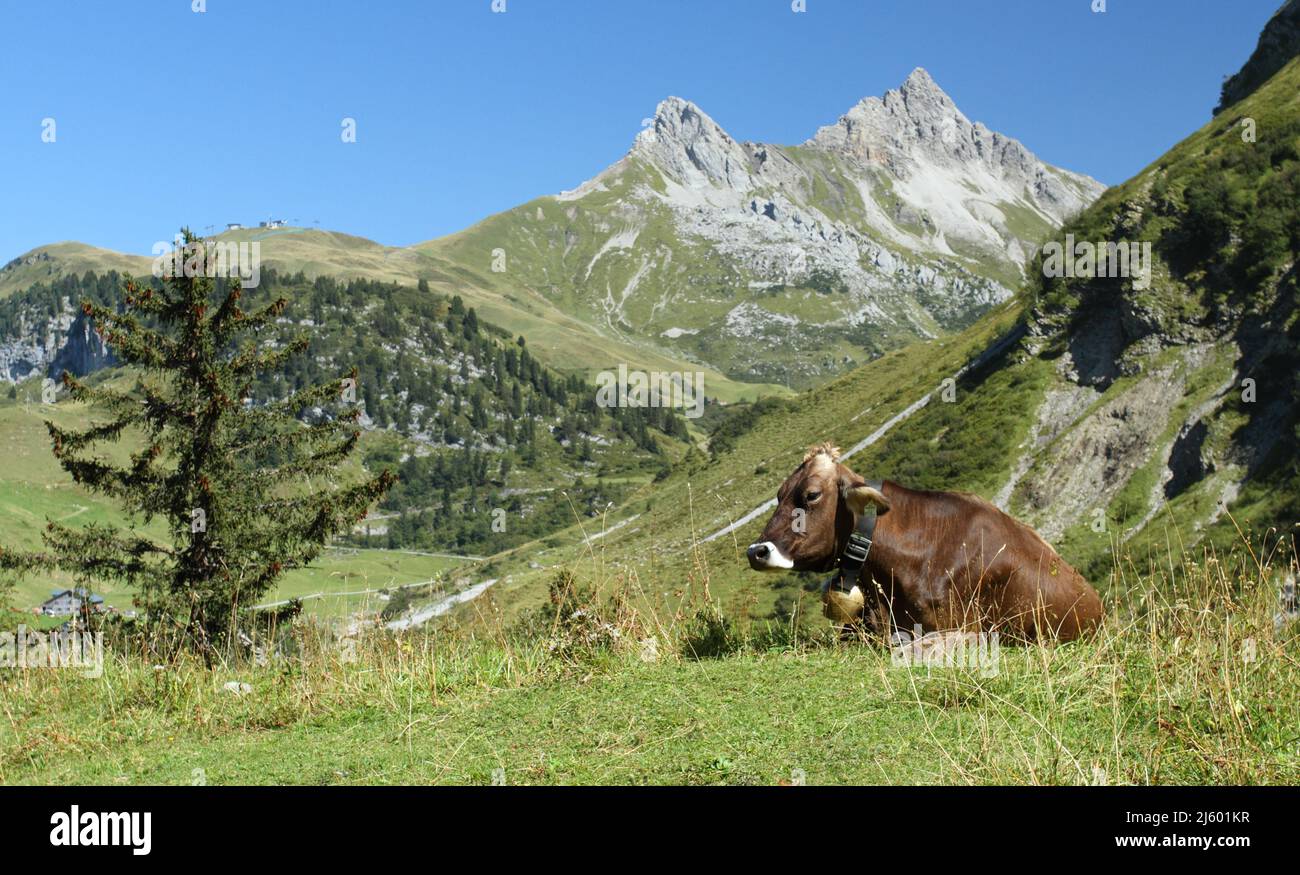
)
(1278, 44)
(917, 129)
(82, 352)
(66, 342)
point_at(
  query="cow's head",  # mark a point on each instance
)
(816, 508)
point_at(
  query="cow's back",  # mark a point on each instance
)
(957, 561)
(1042, 594)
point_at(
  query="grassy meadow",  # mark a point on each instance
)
(1191, 681)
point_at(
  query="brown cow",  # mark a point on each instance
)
(943, 560)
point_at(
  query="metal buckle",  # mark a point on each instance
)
(857, 549)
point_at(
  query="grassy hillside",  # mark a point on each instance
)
(617, 258)
(45, 264)
(656, 537)
(559, 336)
(1210, 345)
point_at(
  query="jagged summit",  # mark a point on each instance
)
(917, 129)
(672, 108)
(879, 129)
(915, 134)
(907, 217)
(690, 147)
(682, 120)
(921, 86)
(921, 79)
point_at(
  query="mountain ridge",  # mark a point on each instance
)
(698, 251)
(839, 248)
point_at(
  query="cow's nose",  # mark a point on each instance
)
(766, 556)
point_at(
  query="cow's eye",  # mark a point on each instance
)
(810, 497)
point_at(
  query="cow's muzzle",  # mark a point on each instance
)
(766, 556)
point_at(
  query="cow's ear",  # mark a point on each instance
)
(856, 493)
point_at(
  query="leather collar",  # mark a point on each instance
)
(857, 549)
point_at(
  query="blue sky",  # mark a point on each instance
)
(167, 117)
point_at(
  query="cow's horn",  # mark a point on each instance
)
(858, 496)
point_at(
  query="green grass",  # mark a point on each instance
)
(1187, 683)
(344, 581)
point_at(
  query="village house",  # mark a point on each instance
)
(66, 602)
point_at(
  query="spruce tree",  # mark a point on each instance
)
(248, 490)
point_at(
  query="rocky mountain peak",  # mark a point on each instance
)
(918, 118)
(920, 86)
(916, 132)
(902, 219)
(910, 131)
(688, 145)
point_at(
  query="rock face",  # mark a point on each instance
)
(65, 342)
(901, 220)
(1279, 42)
(19, 359)
(83, 350)
(918, 134)
(1166, 414)
(907, 170)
